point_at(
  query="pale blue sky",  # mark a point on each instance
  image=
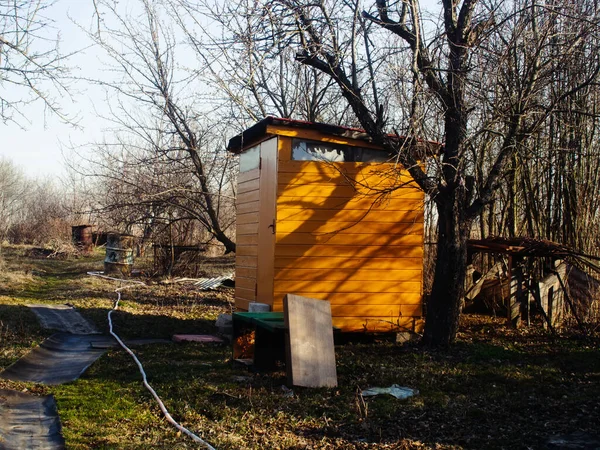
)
(39, 148)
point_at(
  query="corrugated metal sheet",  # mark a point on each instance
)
(206, 284)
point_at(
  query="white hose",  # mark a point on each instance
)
(137, 361)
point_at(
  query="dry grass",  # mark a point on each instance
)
(497, 388)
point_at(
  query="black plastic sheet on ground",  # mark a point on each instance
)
(62, 318)
(61, 358)
(29, 422)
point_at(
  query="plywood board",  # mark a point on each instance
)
(310, 350)
(245, 283)
(247, 239)
(245, 272)
(245, 261)
(251, 228)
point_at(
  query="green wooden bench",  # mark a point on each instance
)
(269, 337)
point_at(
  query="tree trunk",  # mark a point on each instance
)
(443, 306)
(223, 239)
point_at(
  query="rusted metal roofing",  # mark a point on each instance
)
(530, 247)
(519, 246)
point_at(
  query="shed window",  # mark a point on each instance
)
(305, 150)
(250, 159)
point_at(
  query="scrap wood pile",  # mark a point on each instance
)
(565, 290)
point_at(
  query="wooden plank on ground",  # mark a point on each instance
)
(476, 287)
(310, 351)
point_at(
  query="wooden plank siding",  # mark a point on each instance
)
(344, 236)
(246, 262)
(350, 233)
(331, 190)
(357, 202)
(345, 274)
(393, 299)
(372, 228)
(332, 264)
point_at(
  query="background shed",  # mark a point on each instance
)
(323, 213)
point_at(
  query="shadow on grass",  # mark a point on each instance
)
(19, 332)
(477, 395)
(463, 403)
(137, 326)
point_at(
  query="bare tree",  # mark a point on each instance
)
(13, 189)
(254, 74)
(152, 103)
(31, 67)
(152, 189)
(491, 75)
(31, 211)
(44, 218)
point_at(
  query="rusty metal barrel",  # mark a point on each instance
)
(82, 237)
(119, 254)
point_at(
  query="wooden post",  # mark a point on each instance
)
(534, 287)
(515, 297)
(570, 303)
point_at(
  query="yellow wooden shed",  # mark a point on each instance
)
(323, 213)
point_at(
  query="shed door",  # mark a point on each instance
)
(267, 219)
